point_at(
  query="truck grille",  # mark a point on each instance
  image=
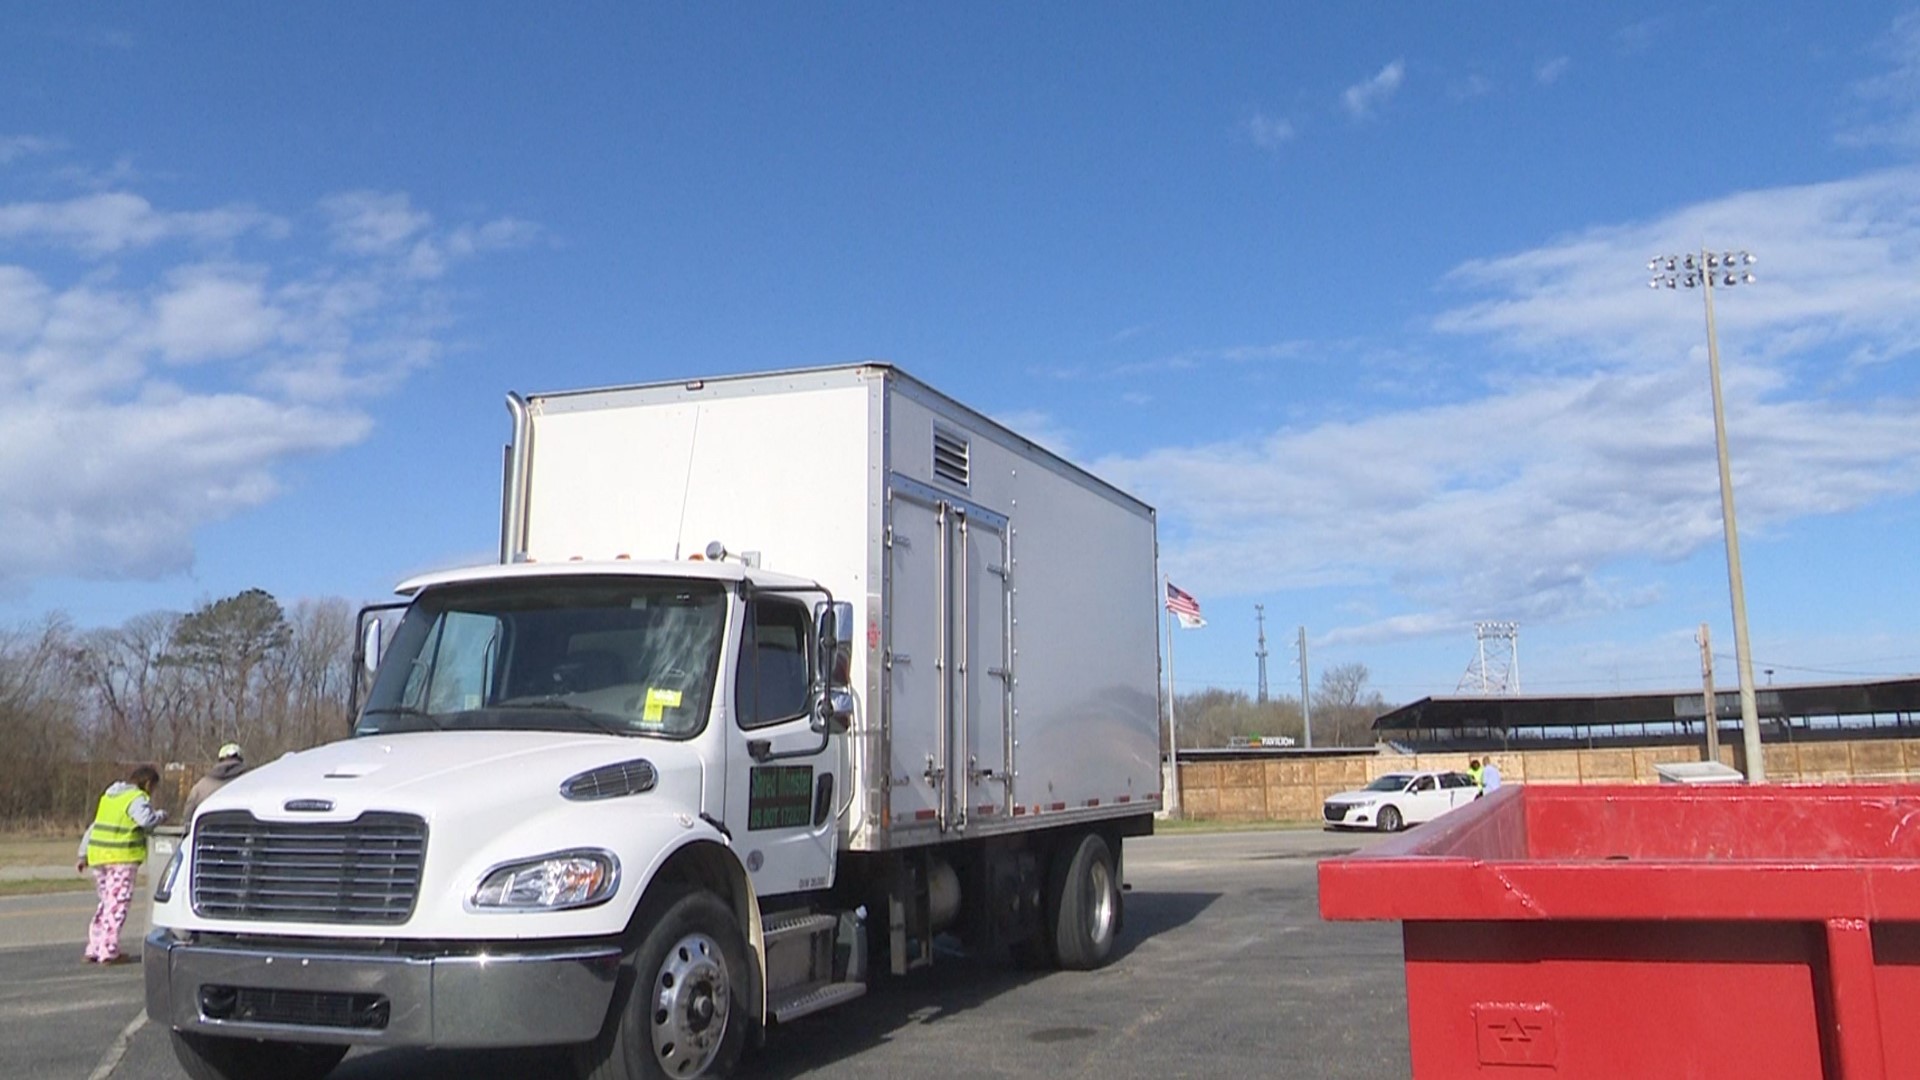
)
(303, 1008)
(362, 871)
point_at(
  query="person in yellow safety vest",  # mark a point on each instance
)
(1479, 777)
(113, 847)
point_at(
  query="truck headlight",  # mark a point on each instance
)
(565, 879)
(163, 892)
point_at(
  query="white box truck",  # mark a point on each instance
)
(779, 678)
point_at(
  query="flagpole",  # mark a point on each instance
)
(1173, 728)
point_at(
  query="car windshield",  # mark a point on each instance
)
(625, 656)
(1389, 782)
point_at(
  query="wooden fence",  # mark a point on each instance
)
(1292, 788)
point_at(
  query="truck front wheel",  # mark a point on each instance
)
(212, 1057)
(686, 1012)
(1085, 912)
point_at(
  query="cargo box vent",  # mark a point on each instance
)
(950, 457)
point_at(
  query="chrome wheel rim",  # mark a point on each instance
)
(690, 999)
(1100, 911)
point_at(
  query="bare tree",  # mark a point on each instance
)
(1211, 717)
(139, 704)
(311, 675)
(1344, 709)
(39, 716)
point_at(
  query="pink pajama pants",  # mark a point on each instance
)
(114, 885)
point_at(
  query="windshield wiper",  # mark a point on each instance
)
(405, 710)
(594, 716)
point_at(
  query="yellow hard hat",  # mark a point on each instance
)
(231, 749)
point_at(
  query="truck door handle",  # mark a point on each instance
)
(760, 749)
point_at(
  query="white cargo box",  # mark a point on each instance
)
(1007, 600)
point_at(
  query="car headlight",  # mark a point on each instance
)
(565, 879)
(163, 892)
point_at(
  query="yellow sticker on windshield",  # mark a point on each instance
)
(659, 700)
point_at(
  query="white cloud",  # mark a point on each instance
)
(141, 400)
(207, 314)
(1270, 132)
(116, 489)
(1363, 98)
(112, 222)
(1040, 427)
(1590, 451)
(1474, 85)
(1548, 72)
(500, 234)
(1894, 95)
(374, 222)
(1839, 261)
(15, 147)
(387, 226)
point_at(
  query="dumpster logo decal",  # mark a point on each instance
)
(1517, 1034)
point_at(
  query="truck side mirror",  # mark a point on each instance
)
(836, 651)
(833, 706)
(370, 647)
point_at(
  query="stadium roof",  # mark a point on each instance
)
(1878, 698)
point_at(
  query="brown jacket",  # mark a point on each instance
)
(216, 778)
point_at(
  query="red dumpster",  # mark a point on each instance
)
(1670, 931)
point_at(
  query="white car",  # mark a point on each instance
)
(1400, 799)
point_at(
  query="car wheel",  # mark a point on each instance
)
(1390, 820)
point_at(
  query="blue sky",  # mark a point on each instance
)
(1354, 293)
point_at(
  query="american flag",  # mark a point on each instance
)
(1184, 607)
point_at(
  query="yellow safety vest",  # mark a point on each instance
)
(1478, 776)
(115, 837)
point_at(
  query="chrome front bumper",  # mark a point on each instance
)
(523, 997)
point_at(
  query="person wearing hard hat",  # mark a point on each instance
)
(113, 847)
(231, 763)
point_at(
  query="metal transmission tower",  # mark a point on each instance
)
(1260, 616)
(1500, 673)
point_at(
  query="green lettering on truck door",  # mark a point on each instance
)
(780, 797)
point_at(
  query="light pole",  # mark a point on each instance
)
(1705, 271)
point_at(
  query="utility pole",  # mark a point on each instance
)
(1713, 705)
(1704, 271)
(1306, 703)
(1260, 616)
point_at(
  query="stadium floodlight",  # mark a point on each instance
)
(1700, 271)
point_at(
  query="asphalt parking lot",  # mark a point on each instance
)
(1224, 969)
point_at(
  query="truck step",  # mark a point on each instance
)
(801, 924)
(802, 1000)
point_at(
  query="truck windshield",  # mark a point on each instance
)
(626, 656)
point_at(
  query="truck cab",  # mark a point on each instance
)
(566, 738)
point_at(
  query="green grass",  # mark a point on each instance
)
(1188, 825)
(36, 886)
(18, 849)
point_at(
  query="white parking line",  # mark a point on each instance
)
(118, 1050)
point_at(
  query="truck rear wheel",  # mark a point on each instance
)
(686, 1012)
(1084, 912)
(213, 1057)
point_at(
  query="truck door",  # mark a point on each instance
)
(785, 783)
(949, 670)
